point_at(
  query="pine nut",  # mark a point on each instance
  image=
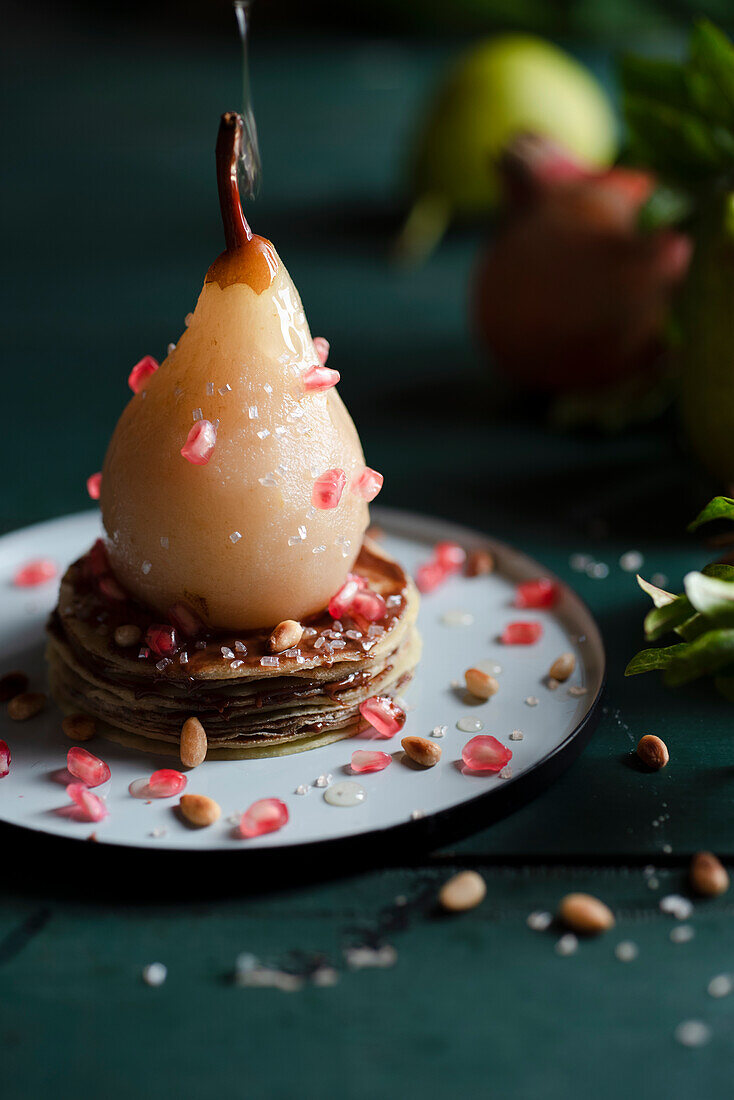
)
(285, 636)
(652, 751)
(464, 891)
(26, 706)
(127, 635)
(12, 684)
(480, 683)
(562, 667)
(424, 752)
(708, 875)
(478, 563)
(79, 727)
(199, 810)
(193, 746)
(586, 914)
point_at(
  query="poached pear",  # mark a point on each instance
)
(235, 479)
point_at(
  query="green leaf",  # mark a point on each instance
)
(712, 55)
(657, 79)
(720, 570)
(648, 660)
(666, 206)
(661, 620)
(658, 595)
(673, 141)
(718, 508)
(711, 596)
(709, 653)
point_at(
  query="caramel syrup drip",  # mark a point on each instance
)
(254, 264)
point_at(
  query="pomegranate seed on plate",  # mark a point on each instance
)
(162, 640)
(538, 594)
(4, 759)
(485, 753)
(87, 767)
(450, 556)
(200, 443)
(320, 378)
(35, 572)
(429, 576)
(522, 633)
(185, 620)
(383, 714)
(322, 348)
(141, 372)
(166, 782)
(267, 815)
(363, 761)
(366, 484)
(94, 485)
(93, 807)
(328, 489)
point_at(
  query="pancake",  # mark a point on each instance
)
(250, 702)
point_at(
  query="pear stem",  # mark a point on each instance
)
(237, 232)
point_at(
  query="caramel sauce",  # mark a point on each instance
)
(253, 263)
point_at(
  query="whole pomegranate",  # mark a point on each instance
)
(570, 294)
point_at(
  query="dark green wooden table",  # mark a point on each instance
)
(109, 202)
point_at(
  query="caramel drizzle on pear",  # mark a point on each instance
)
(248, 258)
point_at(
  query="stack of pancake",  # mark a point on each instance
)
(251, 703)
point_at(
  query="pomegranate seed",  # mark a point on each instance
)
(340, 603)
(267, 815)
(97, 558)
(109, 587)
(162, 640)
(384, 714)
(429, 576)
(450, 556)
(485, 753)
(166, 782)
(320, 378)
(200, 443)
(35, 572)
(322, 348)
(4, 759)
(94, 486)
(141, 372)
(367, 605)
(363, 761)
(522, 633)
(328, 489)
(93, 807)
(537, 594)
(367, 484)
(185, 620)
(87, 767)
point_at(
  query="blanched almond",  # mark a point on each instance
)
(708, 875)
(127, 635)
(464, 891)
(652, 751)
(585, 913)
(199, 810)
(562, 667)
(26, 706)
(286, 635)
(424, 752)
(480, 683)
(194, 744)
(79, 727)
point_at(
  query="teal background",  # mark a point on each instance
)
(110, 220)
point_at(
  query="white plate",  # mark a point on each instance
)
(432, 805)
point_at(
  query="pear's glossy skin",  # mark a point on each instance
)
(173, 526)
